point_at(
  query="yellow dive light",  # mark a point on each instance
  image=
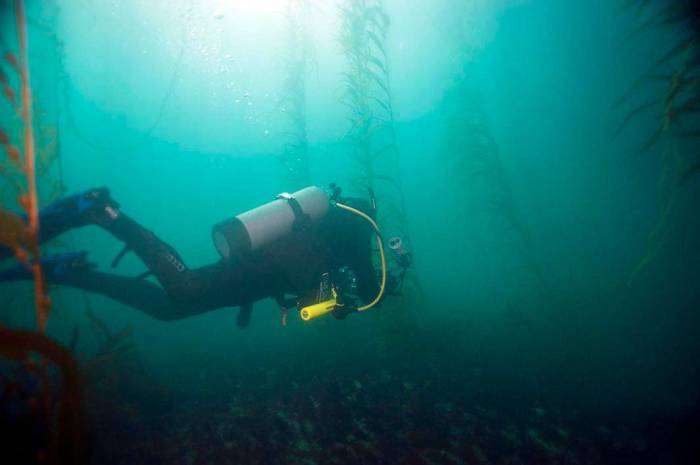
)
(327, 306)
(319, 309)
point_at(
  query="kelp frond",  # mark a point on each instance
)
(14, 233)
(687, 172)
(632, 115)
(68, 427)
(28, 250)
(363, 30)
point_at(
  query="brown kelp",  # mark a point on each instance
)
(676, 109)
(14, 233)
(64, 420)
(47, 153)
(64, 417)
(28, 251)
(47, 105)
(14, 185)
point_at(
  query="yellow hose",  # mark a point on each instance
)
(381, 254)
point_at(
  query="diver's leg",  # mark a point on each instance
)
(97, 207)
(198, 291)
(137, 293)
(194, 292)
(89, 207)
(217, 285)
(191, 291)
(74, 271)
(201, 290)
(159, 257)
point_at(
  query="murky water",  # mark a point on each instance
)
(537, 158)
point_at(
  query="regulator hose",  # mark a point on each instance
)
(382, 258)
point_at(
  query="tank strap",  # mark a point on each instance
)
(301, 219)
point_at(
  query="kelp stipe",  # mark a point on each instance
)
(111, 347)
(46, 117)
(364, 26)
(678, 127)
(470, 152)
(27, 250)
(366, 95)
(63, 421)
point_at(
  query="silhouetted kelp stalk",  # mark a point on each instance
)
(112, 347)
(367, 95)
(470, 152)
(297, 60)
(364, 26)
(678, 128)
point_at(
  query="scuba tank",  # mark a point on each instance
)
(260, 226)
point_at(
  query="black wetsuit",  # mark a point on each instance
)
(292, 266)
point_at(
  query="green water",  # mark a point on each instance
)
(526, 214)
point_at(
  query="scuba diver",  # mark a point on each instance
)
(310, 249)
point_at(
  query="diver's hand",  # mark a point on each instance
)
(340, 312)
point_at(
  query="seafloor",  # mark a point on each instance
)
(337, 409)
(380, 417)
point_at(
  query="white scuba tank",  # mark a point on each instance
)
(255, 228)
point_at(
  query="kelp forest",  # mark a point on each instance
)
(523, 176)
(61, 421)
(676, 70)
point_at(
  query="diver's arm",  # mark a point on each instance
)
(366, 275)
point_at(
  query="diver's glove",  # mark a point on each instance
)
(340, 312)
(65, 264)
(94, 206)
(55, 267)
(345, 305)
